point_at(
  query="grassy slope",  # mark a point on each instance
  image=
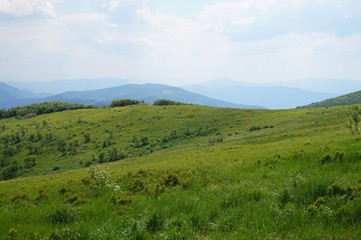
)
(269, 183)
(348, 99)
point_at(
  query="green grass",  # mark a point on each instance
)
(269, 183)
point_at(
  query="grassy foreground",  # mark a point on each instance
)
(182, 172)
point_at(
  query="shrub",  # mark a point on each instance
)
(29, 162)
(165, 102)
(124, 102)
(171, 181)
(62, 215)
(254, 128)
(215, 140)
(12, 234)
(353, 121)
(100, 178)
(10, 171)
(341, 188)
(337, 158)
(155, 223)
(284, 198)
(56, 168)
(87, 138)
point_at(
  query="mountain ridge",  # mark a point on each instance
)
(103, 97)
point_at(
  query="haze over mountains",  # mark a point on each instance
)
(103, 97)
(221, 92)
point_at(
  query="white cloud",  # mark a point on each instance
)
(255, 40)
(27, 8)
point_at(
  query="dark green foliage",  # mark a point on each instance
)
(41, 108)
(215, 140)
(139, 143)
(10, 171)
(342, 189)
(284, 197)
(155, 222)
(115, 154)
(10, 151)
(171, 181)
(165, 102)
(337, 158)
(254, 128)
(56, 168)
(62, 215)
(124, 102)
(87, 138)
(29, 162)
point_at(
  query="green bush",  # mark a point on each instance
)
(254, 128)
(165, 102)
(124, 102)
(155, 223)
(62, 215)
(29, 162)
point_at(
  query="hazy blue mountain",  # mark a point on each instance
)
(273, 97)
(348, 99)
(11, 97)
(60, 86)
(326, 85)
(226, 82)
(146, 92)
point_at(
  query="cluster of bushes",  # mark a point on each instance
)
(112, 155)
(12, 168)
(40, 108)
(165, 102)
(255, 128)
(124, 102)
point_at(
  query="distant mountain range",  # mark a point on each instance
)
(348, 99)
(222, 92)
(325, 85)
(273, 97)
(66, 85)
(12, 97)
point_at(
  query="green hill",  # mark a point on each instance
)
(348, 99)
(180, 172)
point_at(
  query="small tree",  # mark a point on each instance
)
(101, 178)
(354, 121)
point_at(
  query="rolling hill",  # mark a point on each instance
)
(348, 99)
(180, 172)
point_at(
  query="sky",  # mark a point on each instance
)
(180, 41)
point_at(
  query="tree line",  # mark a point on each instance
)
(40, 108)
(33, 110)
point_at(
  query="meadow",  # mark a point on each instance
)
(181, 172)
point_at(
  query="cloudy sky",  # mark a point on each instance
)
(180, 41)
